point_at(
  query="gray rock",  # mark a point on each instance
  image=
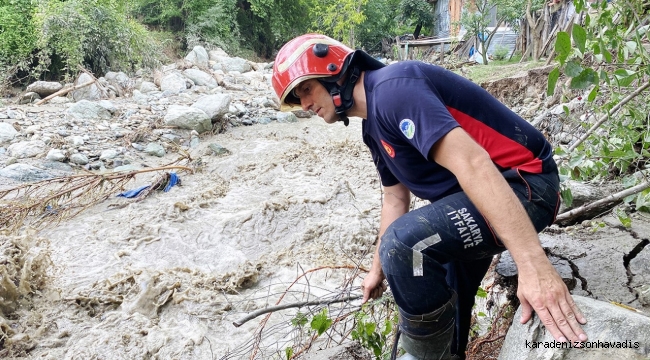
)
(44, 88)
(137, 146)
(59, 100)
(14, 114)
(84, 110)
(26, 149)
(77, 140)
(28, 98)
(264, 120)
(56, 155)
(218, 150)
(640, 267)
(606, 323)
(173, 138)
(285, 117)
(7, 132)
(507, 268)
(263, 101)
(173, 83)
(24, 173)
(201, 78)
(90, 92)
(59, 166)
(229, 64)
(139, 97)
(185, 117)
(79, 159)
(215, 106)
(155, 149)
(32, 129)
(147, 87)
(108, 154)
(217, 54)
(120, 81)
(108, 106)
(198, 56)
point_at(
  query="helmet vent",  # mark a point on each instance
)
(332, 67)
(321, 50)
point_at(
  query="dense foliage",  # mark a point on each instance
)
(50, 38)
(606, 59)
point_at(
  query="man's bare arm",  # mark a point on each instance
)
(540, 287)
(396, 203)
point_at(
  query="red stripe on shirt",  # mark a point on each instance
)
(503, 151)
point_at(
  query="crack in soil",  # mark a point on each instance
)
(627, 258)
(575, 271)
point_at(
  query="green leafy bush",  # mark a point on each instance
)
(500, 52)
(18, 35)
(95, 33)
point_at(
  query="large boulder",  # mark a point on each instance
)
(120, 81)
(201, 78)
(173, 82)
(217, 53)
(26, 149)
(7, 133)
(186, 117)
(24, 172)
(215, 106)
(230, 64)
(198, 56)
(90, 92)
(88, 110)
(614, 333)
(44, 88)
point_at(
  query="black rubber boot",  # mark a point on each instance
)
(428, 336)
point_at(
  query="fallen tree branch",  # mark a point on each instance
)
(568, 216)
(604, 118)
(55, 199)
(64, 91)
(270, 309)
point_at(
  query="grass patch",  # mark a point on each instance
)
(495, 70)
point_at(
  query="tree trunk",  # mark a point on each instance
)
(416, 33)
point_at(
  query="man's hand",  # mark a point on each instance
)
(541, 289)
(373, 285)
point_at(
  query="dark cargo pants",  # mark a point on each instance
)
(449, 245)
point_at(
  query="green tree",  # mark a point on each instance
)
(418, 13)
(476, 18)
(380, 24)
(95, 33)
(338, 18)
(18, 34)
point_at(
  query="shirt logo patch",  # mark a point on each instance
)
(408, 128)
(389, 149)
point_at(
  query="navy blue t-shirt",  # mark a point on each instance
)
(412, 105)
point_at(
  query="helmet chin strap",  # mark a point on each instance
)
(342, 95)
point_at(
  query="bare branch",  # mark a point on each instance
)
(570, 215)
(270, 309)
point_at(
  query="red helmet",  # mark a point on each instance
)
(306, 57)
(317, 56)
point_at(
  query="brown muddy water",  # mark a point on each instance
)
(164, 278)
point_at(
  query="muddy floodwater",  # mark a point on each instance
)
(165, 277)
